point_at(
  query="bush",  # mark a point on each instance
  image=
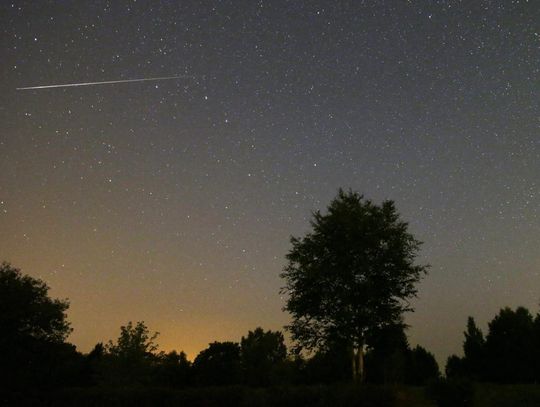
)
(451, 392)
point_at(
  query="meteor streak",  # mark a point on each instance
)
(67, 85)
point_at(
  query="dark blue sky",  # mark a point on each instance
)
(173, 202)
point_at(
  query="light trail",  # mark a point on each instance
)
(68, 85)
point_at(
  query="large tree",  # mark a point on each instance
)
(33, 328)
(353, 273)
(510, 347)
(27, 311)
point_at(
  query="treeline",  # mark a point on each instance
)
(35, 353)
(509, 353)
(260, 359)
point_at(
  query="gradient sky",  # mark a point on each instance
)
(173, 202)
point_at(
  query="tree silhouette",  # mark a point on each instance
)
(391, 360)
(219, 364)
(474, 350)
(261, 353)
(454, 367)
(173, 369)
(510, 347)
(26, 311)
(388, 354)
(536, 350)
(94, 364)
(134, 342)
(510, 353)
(33, 330)
(422, 367)
(351, 274)
(131, 358)
(330, 364)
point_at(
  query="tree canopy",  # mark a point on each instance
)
(27, 311)
(33, 330)
(510, 352)
(261, 352)
(135, 342)
(219, 364)
(474, 348)
(353, 272)
(131, 359)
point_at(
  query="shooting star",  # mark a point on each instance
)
(67, 85)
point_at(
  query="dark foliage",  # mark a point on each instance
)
(451, 392)
(33, 330)
(388, 357)
(510, 353)
(422, 367)
(454, 367)
(38, 361)
(329, 365)
(262, 353)
(474, 350)
(172, 370)
(510, 346)
(130, 360)
(516, 395)
(351, 274)
(389, 360)
(26, 311)
(218, 365)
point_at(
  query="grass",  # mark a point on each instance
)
(486, 395)
(511, 395)
(412, 397)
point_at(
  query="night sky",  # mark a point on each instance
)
(173, 202)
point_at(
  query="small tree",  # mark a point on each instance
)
(454, 367)
(474, 350)
(219, 364)
(134, 342)
(131, 358)
(261, 352)
(173, 369)
(388, 354)
(423, 367)
(353, 273)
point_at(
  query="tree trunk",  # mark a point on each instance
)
(358, 364)
(361, 373)
(354, 365)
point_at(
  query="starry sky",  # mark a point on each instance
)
(173, 202)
